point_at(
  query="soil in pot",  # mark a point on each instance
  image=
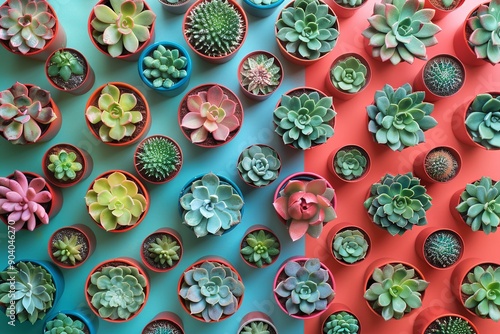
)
(162, 326)
(81, 240)
(147, 254)
(74, 80)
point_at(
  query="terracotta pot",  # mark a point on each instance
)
(343, 11)
(260, 10)
(334, 309)
(82, 157)
(148, 262)
(440, 12)
(340, 227)
(430, 314)
(82, 232)
(420, 170)
(176, 8)
(425, 234)
(243, 243)
(337, 93)
(256, 316)
(240, 158)
(164, 318)
(89, 320)
(331, 162)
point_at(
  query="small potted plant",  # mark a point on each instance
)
(27, 201)
(315, 118)
(443, 7)
(348, 244)
(162, 250)
(78, 321)
(350, 163)
(158, 159)
(210, 290)
(398, 117)
(117, 114)
(223, 199)
(437, 320)
(402, 200)
(259, 165)
(260, 8)
(64, 165)
(259, 73)
(210, 115)
(117, 201)
(439, 164)
(303, 287)
(117, 290)
(347, 8)
(256, 322)
(70, 246)
(69, 71)
(164, 323)
(440, 248)
(176, 6)
(121, 28)
(339, 319)
(260, 247)
(215, 29)
(349, 75)
(29, 115)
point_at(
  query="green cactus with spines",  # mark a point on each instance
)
(164, 250)
(164, 67)
(441, 165)
(444, 75)
(68, 249)
(452, 325)
(341, 323)
(158, 157)
(350, 163)
(442, 249)
(64, 165)
(63, 64)
(63, 324)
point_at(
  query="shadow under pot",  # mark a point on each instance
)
(346, 8)
(256, 322)
(348, 75)
(439, 164)
(442, 7)
(350, 163)
(348, 244)
(260, 247)
(440, 248)
(69, 247)
(80, 320)
(176, 7)
(260, 8)
(259, 165)
(340, 317)
(164, 322)
(162, 250)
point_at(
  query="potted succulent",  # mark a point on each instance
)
(397, 203)
(27, 201)
(340, 320)
(438, 320)
(398, 117)
(260, 8)
(165, 67)
(440, 248)
(117, 114)
(70, 246)
(222, 199)
(443, 7)
(346, 8)
(164, 323)
(304, 118)
(348, 244)
(400, 30)
(259, 165)
(79, 321)
(350, 163)
(439, 164)
(256, 322)
(158, 159)
(259, 73)
(121, 28)
(69, 71)
(210, 290)
(306, 31)
(215, 29)
(176, 6)
(162, 250)
(117, 201)
(349, 74)
(260, 247)
(29, 115)
(303, 287)
(36, 35)
(116, 290)
(64, 165)
(210, 115)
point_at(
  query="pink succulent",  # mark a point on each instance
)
(305, 206)
(212, 112)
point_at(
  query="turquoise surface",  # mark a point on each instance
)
(257, 128)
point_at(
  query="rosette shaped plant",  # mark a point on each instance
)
(211, 291)
(400, 30)
(482, 289)
(259, 165)
(164, 250)
(262, 248)
(260, 75)
(396, 290)
(64, 324)
(68, 249)
(341, 323)
(397, 203)
(483, 121)
(165, 67)
(256, 327)
(350, 246)
(485, 36)
(350, 164)
(399, 117)
(64, 165)
(349, 75)
(305, 206)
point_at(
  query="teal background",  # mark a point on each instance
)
(257, 128)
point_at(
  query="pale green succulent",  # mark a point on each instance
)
(259, 165)
(485, 36)
(263, 2)
(63, 324)
(483, 121)
(164, 251)
(482, 290)
(341, 323)
(63, 165)
(68, 250)
(349, 75)
(350, 163)
(350, 246)
(256, 327)
(165, 67)
(350, 3)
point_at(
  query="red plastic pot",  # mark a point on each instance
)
(337, 228)
(158, 233)
(330, 163)
(422, 238)
(337, 93)
(164, 318)
(419, 164)
(88, 239)
(429, 315)
(343, 11)
(82, 156)
(440, 13)
(256, 228)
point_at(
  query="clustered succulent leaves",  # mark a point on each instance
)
(395, 291)
(350, 163)
(64, 165)
(444, 75)
(305, 288)
(165, 67)
(158, 158)
(398, 202)
(485, 39)
(341, 323)
(34, 291)
(63, 64)
(482, 290)
(68, 249)
(400, 30)
(164, 251)
(259, 165)
(398, 118)
(64, 324)
(452, 325)
(350, 246)
(304, 121)
(350, 3)
(442, 249)
(307, 29)
(483, 121)
(262, 248)
(211, 290)
(441, 165)
(349, 75)
(260, 75)
(264, 2)
(256, 327)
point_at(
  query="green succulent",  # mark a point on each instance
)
(165, 67)
(398, 118)
(350, 246)
(350, 163)
(262, 248)
(307, 29)
(349, 75)
(341, 323)
(444, 75)
(164, 251)
(482, 291)
(480, 205)
(483, 121)
(158, 158)
(260, 75)
(68, 249)
(442, 249)
(255, 327)
(452, 325)
(485, 36)
(63, 165)
(63, 64)
(397, 203)
(259, 165)
(63, 324)
(350, 3)
(263, 2)
(441, 165)
(165, 328)
(400, 30)
(396, 290)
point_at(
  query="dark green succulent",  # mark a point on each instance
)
(341, 323)
(262, 248)
(482, 290)
(158, 157)
(483, 121)
(350, 163)
(64, 64)
(444, 75)
(350, 246)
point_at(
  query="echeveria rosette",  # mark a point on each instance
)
(485, 36)
(64, 165)
(261, 249)
(341, 323)
(68, 250)
(259, 165)
(350, 246)
(63, 323)
(399, 117)
(482, 290)
(260, 75)
(349, 75)
(483, 121)
(400, 30)
(350, 163)
(398, 202)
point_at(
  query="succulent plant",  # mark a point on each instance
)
(64, 165)
(114, 113)
(260, 75)
(158, 157)
(211, 290)
(211, 206)
(68, 249)
(124, 24)
(117, 292)
(34, 291)
(480, 205)
(165, 67)
(396, 290)
(306, 287)
(210, 112)
(350, 3)
(444, 75)
(485, 30)
(482, 290)
(442, 249)
(400, 30)
(261, 249)
(263, 2)
(22, 201)
(26, 24)
(63, 64)
(350, 246)
(259, 165)
(452, 325)
(305, 206)
(441, 165)
(483, 121)
(350, 163)
(398, 118)
(164, 327)
(349, 75)
(304, 121)
(256, 327)
(398, 202)
(341, 323)
(62, 323)
(215, 28)
(24, 112)
(164, 250)
(307, 29)
(115, 202)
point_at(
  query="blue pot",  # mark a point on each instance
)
(85, 315)
(260, 10)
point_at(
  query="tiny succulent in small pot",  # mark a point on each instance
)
(260, 8)
(440, 248)
(176, 7)
(256, 322)
(76, 321)
(341, 322)
(65, 165)
(349, 74)
(482, 120)
(481, 291)
(162, 250)
(70, 246)
(484, 24)
(347, 8)
(348, 244)
(259, 165)
(260, 73)
(440, 164)
(349, 163)
(443, 7)
(164, 323)
(260, 247)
